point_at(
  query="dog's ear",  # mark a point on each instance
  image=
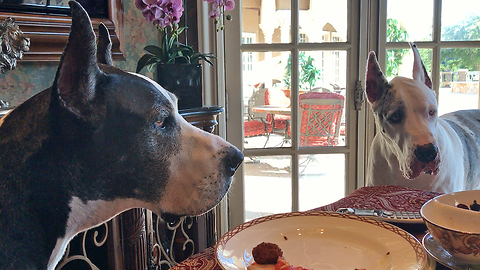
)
(375, 82)
(78, 72)
(104, 46)
(419, 71)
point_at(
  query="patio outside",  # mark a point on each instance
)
(268, 179)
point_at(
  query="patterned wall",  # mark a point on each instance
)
(30, 78)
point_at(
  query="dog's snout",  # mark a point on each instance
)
(234, 159)
(426, 153)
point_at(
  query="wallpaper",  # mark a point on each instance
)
(30, 78)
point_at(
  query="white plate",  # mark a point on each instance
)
(324, 240)
(442, 256)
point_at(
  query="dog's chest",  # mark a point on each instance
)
(84, 215)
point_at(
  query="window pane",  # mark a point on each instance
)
(266, 99)
(330, 15)
(460, 20)
(459, 79)
(322, 180)
(322, 71)
(401, 26)
(399, 62)
(267, 20)
(268, 186)
(322, 81)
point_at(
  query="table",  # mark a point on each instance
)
(392, 198)
(273, 110)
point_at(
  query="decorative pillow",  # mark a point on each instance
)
(274, 96)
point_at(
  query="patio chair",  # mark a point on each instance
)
(321, 114)
(276, 97)
(256, 123)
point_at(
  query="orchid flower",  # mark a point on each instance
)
(166, 14)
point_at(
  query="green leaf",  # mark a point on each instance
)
(142, 62)
(155, 50)
(196, 57)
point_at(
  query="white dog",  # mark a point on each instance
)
(413, 146)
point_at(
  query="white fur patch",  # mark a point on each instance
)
(84, 216)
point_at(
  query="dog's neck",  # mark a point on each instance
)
(85, 215)
(53, 208)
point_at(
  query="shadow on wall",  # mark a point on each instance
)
(30, 78)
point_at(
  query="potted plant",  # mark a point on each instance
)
(178, 65)
(309, 73)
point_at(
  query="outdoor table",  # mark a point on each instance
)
(273, 110)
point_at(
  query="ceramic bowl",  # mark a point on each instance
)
(456, 229)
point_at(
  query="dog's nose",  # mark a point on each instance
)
(234, 159)
(426, 153)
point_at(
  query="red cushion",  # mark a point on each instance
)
(276, 97)
(255, 128)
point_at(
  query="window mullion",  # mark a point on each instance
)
(294, 102)
(437, 36)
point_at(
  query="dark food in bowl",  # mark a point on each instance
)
(474, 207)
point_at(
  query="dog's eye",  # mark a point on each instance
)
(160, 123)
(395, 118)
(432, 112)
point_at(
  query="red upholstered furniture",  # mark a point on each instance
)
(256, 128)
(256, 123)
(321, 114)
(277, 97)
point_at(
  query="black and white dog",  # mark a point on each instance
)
(413, 146)
(98, 142)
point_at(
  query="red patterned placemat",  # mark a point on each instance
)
(204, 260)
(392, 198)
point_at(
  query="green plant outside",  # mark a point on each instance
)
(309, 73)
(453, 59)
(395, 33)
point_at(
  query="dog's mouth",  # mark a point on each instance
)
(417, 167)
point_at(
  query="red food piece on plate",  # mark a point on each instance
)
(282, 264)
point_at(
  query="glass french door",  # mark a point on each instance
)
(279, 51)
(283, 52)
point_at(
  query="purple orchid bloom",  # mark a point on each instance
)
(229, 4)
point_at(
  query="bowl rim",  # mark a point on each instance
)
(449, 206)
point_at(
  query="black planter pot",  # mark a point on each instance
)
(185, 81)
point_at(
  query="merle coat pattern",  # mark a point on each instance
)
(413, 146)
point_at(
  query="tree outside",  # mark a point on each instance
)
(461, 58)
(395, 33)
(453, 59)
